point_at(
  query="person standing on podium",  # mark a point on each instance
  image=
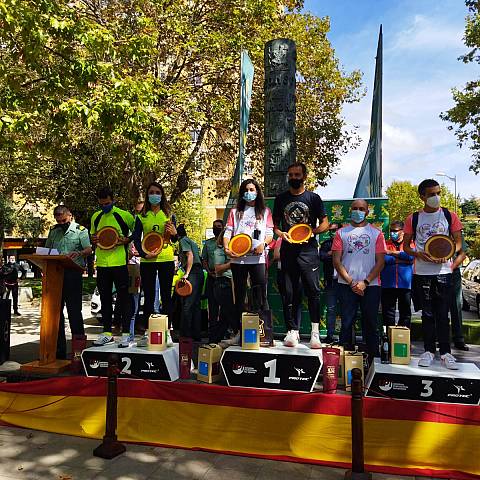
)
(71, 239)
(112, 265)
(300, 261)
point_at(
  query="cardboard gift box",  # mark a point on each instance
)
(250, 331)
(157, 332)
(399, 338)
(352, 360)
(209, 356)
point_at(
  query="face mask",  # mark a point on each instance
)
(64, 226)
(107, 208)
(155, 198)
(394, 236)
(357, 216)
(249, 196)
(433, 202)
(217, 231)
(295, 183)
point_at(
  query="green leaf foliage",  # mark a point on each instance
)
(109, 92)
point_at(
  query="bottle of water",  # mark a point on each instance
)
(385, 347)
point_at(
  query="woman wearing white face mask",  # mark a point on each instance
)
(156, 217)
(254, 219)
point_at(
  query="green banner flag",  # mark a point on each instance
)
(369, 182)
(246, 83)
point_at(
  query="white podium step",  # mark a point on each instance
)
(134, 362)
(277, 368)
(433, 384)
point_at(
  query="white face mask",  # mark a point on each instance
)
(433, 202)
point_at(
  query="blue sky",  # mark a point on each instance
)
(422, 40)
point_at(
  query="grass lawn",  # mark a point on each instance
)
(89, 285)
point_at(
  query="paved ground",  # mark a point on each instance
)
(29, 454)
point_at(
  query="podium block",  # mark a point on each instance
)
(52, 284)
(134, 362)
(277, 368)
(432, 384)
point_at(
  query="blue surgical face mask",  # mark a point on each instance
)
(107, 208)
(394, 236)
(357, 216)
(155, 198)
(249, 196)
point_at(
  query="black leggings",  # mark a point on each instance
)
(300, 269)
(149, 272)
(257, 272)
(224, 297)
(106, 278)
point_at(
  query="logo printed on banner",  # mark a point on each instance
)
(460, 388)
(239, 369)
(97, 363)
(299, 377)
(385, 385)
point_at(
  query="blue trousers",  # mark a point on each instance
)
(369, 303)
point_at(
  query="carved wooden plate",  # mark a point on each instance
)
(440, 246)
(240, 244)
(300, 233)
(152, 242)
(183, 287)
(107, 238)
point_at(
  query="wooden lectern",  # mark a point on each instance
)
(52, 283)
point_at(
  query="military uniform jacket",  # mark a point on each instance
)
(75, 239)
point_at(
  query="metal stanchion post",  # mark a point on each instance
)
(111, 447)
(358, 470)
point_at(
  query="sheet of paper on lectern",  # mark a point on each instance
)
(46, 251)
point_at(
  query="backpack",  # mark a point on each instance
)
(447, 214)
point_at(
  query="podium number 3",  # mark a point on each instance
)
(427, 389)
(126, 369)
(272, 370)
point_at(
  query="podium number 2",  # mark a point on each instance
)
(126, 369)
(272, 370)
(427, 389)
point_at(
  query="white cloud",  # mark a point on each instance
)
(428, 33)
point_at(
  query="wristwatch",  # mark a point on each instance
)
(366, 282)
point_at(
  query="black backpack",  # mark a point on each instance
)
(447, 214)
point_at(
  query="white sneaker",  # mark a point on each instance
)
(143, 342)
(315, 340)
(235, 340)
(128, 340)
(103, 339)
(449, 361)
(169, 339)
(292, 338)
(426, 359)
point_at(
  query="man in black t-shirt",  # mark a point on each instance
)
(300, 260)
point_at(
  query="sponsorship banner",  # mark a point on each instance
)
(134, 363)
(272, 368)
(401, 437)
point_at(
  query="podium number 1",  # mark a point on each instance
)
(272, 370)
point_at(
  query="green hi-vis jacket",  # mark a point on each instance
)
(117, 256)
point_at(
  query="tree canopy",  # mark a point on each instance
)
(465, 115)
(123, 92)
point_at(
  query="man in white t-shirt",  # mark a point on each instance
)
(432, 279)
(358, 257)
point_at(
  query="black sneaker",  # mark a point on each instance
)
(461, 346)
(328, 339)
(17, 314)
